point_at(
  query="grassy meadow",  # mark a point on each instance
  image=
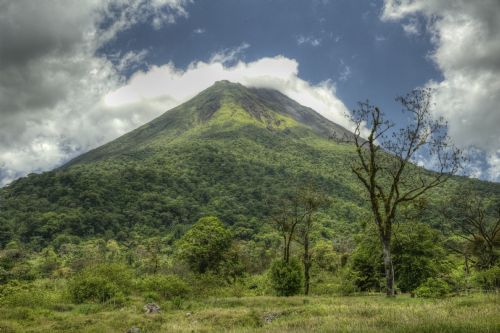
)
(368, 313)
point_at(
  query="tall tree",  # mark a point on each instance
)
(384, 162)
(287, 215)
(204, 245)
(477, 222)
(310, 201)
(294, 218)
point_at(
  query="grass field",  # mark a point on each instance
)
(474, 313)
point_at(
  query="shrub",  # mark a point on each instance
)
(119, 274)
(14, 286)
(348, 282)
(433, 287)
(86, 288)
(100, 283)
(325, 257)
(488, 279)
(286, 278)
(166, 286)
(258, 285)
(27, 294)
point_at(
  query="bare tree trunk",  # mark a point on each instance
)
(284, 249)
(307, 265)
(466, 263)
(389, 268)
(287, 250)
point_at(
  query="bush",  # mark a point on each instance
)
(100, 283)
(433, 287)
(119, 274)
(92, 289)
(166, 286)
(488, 279)
(258, 285)
(21, 294)
(286, 278)
(348, 282)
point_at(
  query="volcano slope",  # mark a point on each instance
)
(230, 152)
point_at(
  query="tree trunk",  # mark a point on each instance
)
(389, 268)
(466, 264)
(287, 249)
(307, 265)
(284, 249)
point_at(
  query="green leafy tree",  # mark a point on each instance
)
(310, 202)
(204, 245)
(476, 222)
(417, 253)
(286, 277)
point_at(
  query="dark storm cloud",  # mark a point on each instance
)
(52, 81)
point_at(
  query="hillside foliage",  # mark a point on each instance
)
(182, 208)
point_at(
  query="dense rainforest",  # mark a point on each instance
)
(186, 206)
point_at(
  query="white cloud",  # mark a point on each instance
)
(59, 99)
(199, 31)
(52, 81)
(466, 35)
(412, 28)
(130, 60)
(229, 55)
(174, 86)
(345, 72)
(309, 40)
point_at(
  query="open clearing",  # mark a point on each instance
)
(474, 313)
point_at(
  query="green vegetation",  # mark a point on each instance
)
(477, 313)
(204, 245)
(183, 213)
(286, 277)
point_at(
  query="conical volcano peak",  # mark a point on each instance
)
(224, 106)
(227, 83)
(225, 93)
(224, 87)
(264, 103)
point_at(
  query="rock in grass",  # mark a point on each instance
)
(134, 329)
(269, 317)
(151, 308)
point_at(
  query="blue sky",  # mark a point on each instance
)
(76, 74)
(344, 41)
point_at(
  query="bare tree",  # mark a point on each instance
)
(384, 162)
(294, 218)
(477, 223)
(286, 217)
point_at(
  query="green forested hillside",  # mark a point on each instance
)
(228, 153)
(186, 208)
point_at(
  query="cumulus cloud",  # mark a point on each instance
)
(173, 86)
(51, 78)
(466, 35)
(59, 98)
